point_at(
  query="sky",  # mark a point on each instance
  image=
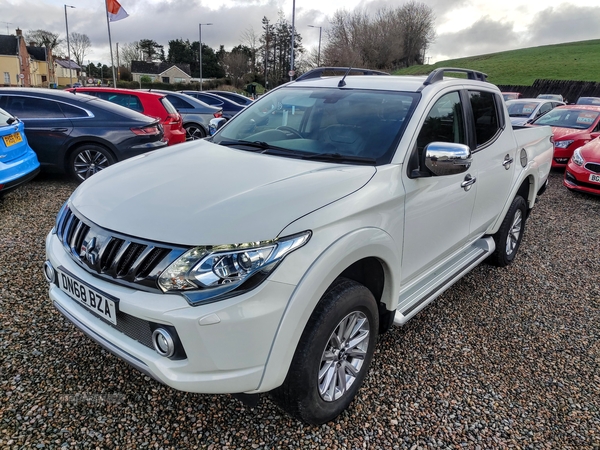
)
(463, 27)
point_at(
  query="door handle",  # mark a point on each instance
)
(507, 162)
(59, 130)
(469, 181)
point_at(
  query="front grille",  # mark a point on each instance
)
(593, 167)
(112, 256)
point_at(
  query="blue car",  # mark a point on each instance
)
(18, 162)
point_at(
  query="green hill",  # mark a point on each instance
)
(578, 61)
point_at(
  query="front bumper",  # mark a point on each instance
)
(577, 179)
(226, 343)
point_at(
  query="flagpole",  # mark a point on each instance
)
(110, 44)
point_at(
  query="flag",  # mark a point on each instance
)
(115, 11)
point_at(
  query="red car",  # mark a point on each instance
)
(572, 126)
(583, 170)
(149, 103)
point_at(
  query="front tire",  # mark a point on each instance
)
(88, 159)
(333, 355)
(509, 236)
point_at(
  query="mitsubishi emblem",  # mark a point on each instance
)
(87, 249)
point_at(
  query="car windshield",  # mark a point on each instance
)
(579, 119)
(338, 125)
(520, 109)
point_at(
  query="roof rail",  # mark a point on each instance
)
(337, 71)
(438, 74)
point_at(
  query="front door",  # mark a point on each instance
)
(437, 208)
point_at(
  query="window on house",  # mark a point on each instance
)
(6, 78)
(165, 79)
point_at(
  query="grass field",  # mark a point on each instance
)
(579, 61)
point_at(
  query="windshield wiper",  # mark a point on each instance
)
(258, 146)
(338, 157)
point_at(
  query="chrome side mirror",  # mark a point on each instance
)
(447, 158)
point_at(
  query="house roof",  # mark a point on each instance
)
(39, 53)
(8, 45)
(155, 68)
(67, 64)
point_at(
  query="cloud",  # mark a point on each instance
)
(566, 23)
(484, 36)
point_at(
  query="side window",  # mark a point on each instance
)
(72, 111)
(444, 123)
(177, 102)
(485, 115)
(210, 100)
(33, 108)
(544, 109)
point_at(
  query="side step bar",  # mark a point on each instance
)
(424, 291)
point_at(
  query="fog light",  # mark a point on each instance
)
(49, 272)
(163, 342)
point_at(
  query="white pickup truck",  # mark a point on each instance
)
(269, 257)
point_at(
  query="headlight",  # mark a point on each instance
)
(563, 144)
(214, 271)
(577, 158)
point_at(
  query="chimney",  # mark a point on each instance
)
(32, 43)
(19, 32)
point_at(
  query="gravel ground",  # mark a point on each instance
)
(507, 358)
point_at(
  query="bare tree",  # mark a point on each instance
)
(80, 43)
(236, 64)
(130, 52)
(252, 40)
(389, 39)
(50, 42)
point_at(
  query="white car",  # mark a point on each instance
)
(526, 110)
(269, 257)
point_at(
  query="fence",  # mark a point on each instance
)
(570, 90)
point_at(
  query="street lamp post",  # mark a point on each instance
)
(68, 45)
(319, 52)
(200, 48)
(292, 43)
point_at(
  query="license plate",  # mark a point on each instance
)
(595, 178)
(96, 301)
(12, 139)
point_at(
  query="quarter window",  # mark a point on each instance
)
(485, 115)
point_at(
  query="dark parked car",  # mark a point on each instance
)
(238, 98)
(195, 113)
(18, 163)
(229, 107)
(79, 134)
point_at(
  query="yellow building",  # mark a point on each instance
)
(22, 65)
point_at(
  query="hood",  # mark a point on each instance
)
(563, 134)
(199, 193)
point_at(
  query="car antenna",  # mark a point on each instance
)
(342, 83)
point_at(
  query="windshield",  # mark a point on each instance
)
(331, 124)
(569, 118)
(520, 109)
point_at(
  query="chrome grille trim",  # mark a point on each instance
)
(113, 256)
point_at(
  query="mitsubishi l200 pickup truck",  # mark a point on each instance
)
(270, 256)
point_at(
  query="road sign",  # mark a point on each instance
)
(90, 81)
(21, 76)
(291, 73)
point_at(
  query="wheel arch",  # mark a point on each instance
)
(358, 256)
(87, 141)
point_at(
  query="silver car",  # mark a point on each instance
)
(196, 114)
(525, 110)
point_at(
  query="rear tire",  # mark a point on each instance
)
(333, 355)
(193, 132)
(88, 159)
(509, 236)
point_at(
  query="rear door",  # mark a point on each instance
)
(47, 126)
(494, 153)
